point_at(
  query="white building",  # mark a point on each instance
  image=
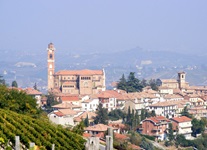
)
(182, 125)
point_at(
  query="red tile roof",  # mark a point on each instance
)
(121, 136)
(69, 98)
(86, 135)
(98, 127)
(157, 119)
(59, 114)
(31, 91)
(79, 72)
(181, 119)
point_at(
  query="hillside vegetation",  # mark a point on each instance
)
(20, 116)
(41, 132)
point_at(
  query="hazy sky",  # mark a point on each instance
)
(103, 25)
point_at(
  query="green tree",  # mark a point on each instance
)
(116, 114)
(122, 84)
(14, 84)
(18, 101)
(198, 126)
(135, 138)
(186, 113)
(35, 86)
(51, 101)
(142, 114)
(133, 83)
(2, 81)
(153, 85)
(137, 120)
(102, 115)
(86, 121)
(170, 133)
(79, 129)
(153, 114)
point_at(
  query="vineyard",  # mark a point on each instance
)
(41, 132)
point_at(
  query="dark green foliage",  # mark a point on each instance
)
(153, 85)
(142, 114)
(146, 145)
(170, 133)
(39, 131)
(132, 84)
(14, 84)
(35, 86)
(122, 83)
(102, 115)
(148, 137)
(198, 126)
(2, 81)
(79, 129)
(86, 122)
(17, 101)
(153, 114)
(116, 114)
(50, 102)
(186, 113)
(135, 138)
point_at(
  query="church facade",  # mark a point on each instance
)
(73, 81)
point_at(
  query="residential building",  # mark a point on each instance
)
(35, 94)
(90, 105)
(182, 125)
(63, 117)
(155, 126)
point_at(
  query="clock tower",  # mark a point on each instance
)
(50, 66)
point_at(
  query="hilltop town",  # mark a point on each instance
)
(139, 114)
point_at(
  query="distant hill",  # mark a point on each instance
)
(39, 131)
(146, 64)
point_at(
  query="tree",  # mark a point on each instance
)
(122, 83)
(14, 84)
(153, 85)
(133, 83)
(186, 113)
(35, 86)
(153, 114)
(142, 115)
(135, 138)
(2, 81)
(198, 126)
(102, 115)
(79, 129)
(50, 102)
(86, 121)
(116, 114)
(170, 133)
(18, 101)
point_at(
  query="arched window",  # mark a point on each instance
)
(51, 56)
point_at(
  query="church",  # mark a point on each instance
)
(73, 81)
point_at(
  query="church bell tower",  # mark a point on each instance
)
(50, 66)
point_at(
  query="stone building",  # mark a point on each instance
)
(73, 81)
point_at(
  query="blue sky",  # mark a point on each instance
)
(103, 25)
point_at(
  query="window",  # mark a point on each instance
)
(51, 56)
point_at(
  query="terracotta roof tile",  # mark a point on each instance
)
(31, 91)
(69, 98)
(181, 119)
(98, 127)
(79, 72)
(157, 119)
